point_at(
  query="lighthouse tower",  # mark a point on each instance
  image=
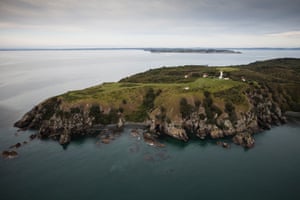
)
(221, 75)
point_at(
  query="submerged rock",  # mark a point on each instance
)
(151, 140)
(135, 133)
(32, 136)
(105, 140)
(16, 145)
(224, 144)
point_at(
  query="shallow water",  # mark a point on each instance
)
(128, 168)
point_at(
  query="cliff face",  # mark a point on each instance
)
(52, 121)
(209, 108)
(263, 114)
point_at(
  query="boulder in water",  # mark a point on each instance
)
(9, 154)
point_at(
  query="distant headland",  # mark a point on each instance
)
(189, 50)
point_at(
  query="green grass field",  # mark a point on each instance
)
(174, 83)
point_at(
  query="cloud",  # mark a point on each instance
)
(197, 19)
(286, 34)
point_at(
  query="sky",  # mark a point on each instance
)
(149, 23)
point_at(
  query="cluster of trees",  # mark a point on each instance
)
(210, 109)
(147, 105)
(185, 108)
(230, 109)
(101, 118)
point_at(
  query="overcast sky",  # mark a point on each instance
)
(149, 23)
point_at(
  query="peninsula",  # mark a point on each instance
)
(182, 102)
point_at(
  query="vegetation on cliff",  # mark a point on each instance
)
(179, 101)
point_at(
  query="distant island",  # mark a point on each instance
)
(184, 102)
(188, 50)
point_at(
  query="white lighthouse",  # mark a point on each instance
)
(221, 75)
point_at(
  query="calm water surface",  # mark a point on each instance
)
(127, 168)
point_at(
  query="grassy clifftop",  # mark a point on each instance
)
(167, 86)
(170, 85)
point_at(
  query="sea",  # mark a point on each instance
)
(128, 168)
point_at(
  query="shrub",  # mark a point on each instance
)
(197, 103)
(49, 108)
(96, 113)
(148, 102)
(230, 109)
(206, 94)
(75, 110)
(185, 108)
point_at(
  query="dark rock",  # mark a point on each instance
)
(105, 140)
(226, 145)
(283, 120)
(16, 145)
(135, 133)
(121, 122)
(178, 133)
(223, 144)
(9, 154)
(215, 132)
(65, 138)
(244, 139)
(32, 136)
(151, 140)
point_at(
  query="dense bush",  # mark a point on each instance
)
(234, 95)
(101, 118)
(49, 108)
(75, 110)
(96, 113)
(230, 109)
(185, 108)
(197, 103)
(148, 103)
(210, 109)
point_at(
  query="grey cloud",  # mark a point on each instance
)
(190, 17)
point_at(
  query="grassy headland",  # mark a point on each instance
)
(206, 101)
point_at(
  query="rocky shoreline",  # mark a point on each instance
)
(184, 103)
(63, 127)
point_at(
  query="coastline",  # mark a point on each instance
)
(198, 112)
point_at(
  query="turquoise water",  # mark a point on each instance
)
(128, 168)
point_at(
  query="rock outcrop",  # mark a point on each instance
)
(244, 139)
(54, 121)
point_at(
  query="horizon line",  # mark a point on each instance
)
(138, 48)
